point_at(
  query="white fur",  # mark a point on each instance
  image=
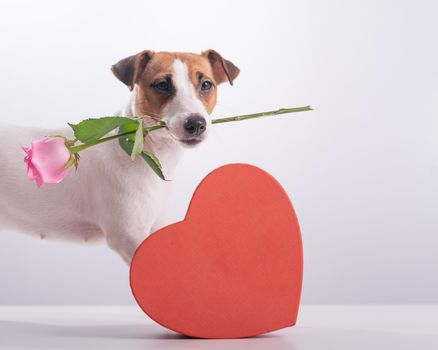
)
(110, 197)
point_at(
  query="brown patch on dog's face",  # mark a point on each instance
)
(149, 99)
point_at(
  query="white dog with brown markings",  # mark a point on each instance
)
(111, 197)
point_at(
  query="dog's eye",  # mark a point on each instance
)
(206, 85)
(162, 85)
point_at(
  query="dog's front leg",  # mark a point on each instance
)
(125, 240)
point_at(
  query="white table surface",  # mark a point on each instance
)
(324, 327)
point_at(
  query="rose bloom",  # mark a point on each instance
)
(46, 160)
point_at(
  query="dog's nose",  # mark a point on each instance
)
(195, 125)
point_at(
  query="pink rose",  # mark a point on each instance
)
(46, 160)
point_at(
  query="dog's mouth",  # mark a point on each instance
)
(191, 142)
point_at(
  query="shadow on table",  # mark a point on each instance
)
(48, 336)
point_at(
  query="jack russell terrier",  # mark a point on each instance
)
(111, 197)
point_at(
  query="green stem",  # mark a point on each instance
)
(262, 114)
(76, 149)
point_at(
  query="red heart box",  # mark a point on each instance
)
(232, 268)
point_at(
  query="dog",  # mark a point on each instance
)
(112, 198)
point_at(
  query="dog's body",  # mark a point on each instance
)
(111, 197)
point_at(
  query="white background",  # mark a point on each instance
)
(361, 170)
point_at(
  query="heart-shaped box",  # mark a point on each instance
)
(232, 268)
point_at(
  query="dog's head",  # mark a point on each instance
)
(177, 88)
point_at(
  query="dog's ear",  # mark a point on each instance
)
(130, 69)
(223, 69)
